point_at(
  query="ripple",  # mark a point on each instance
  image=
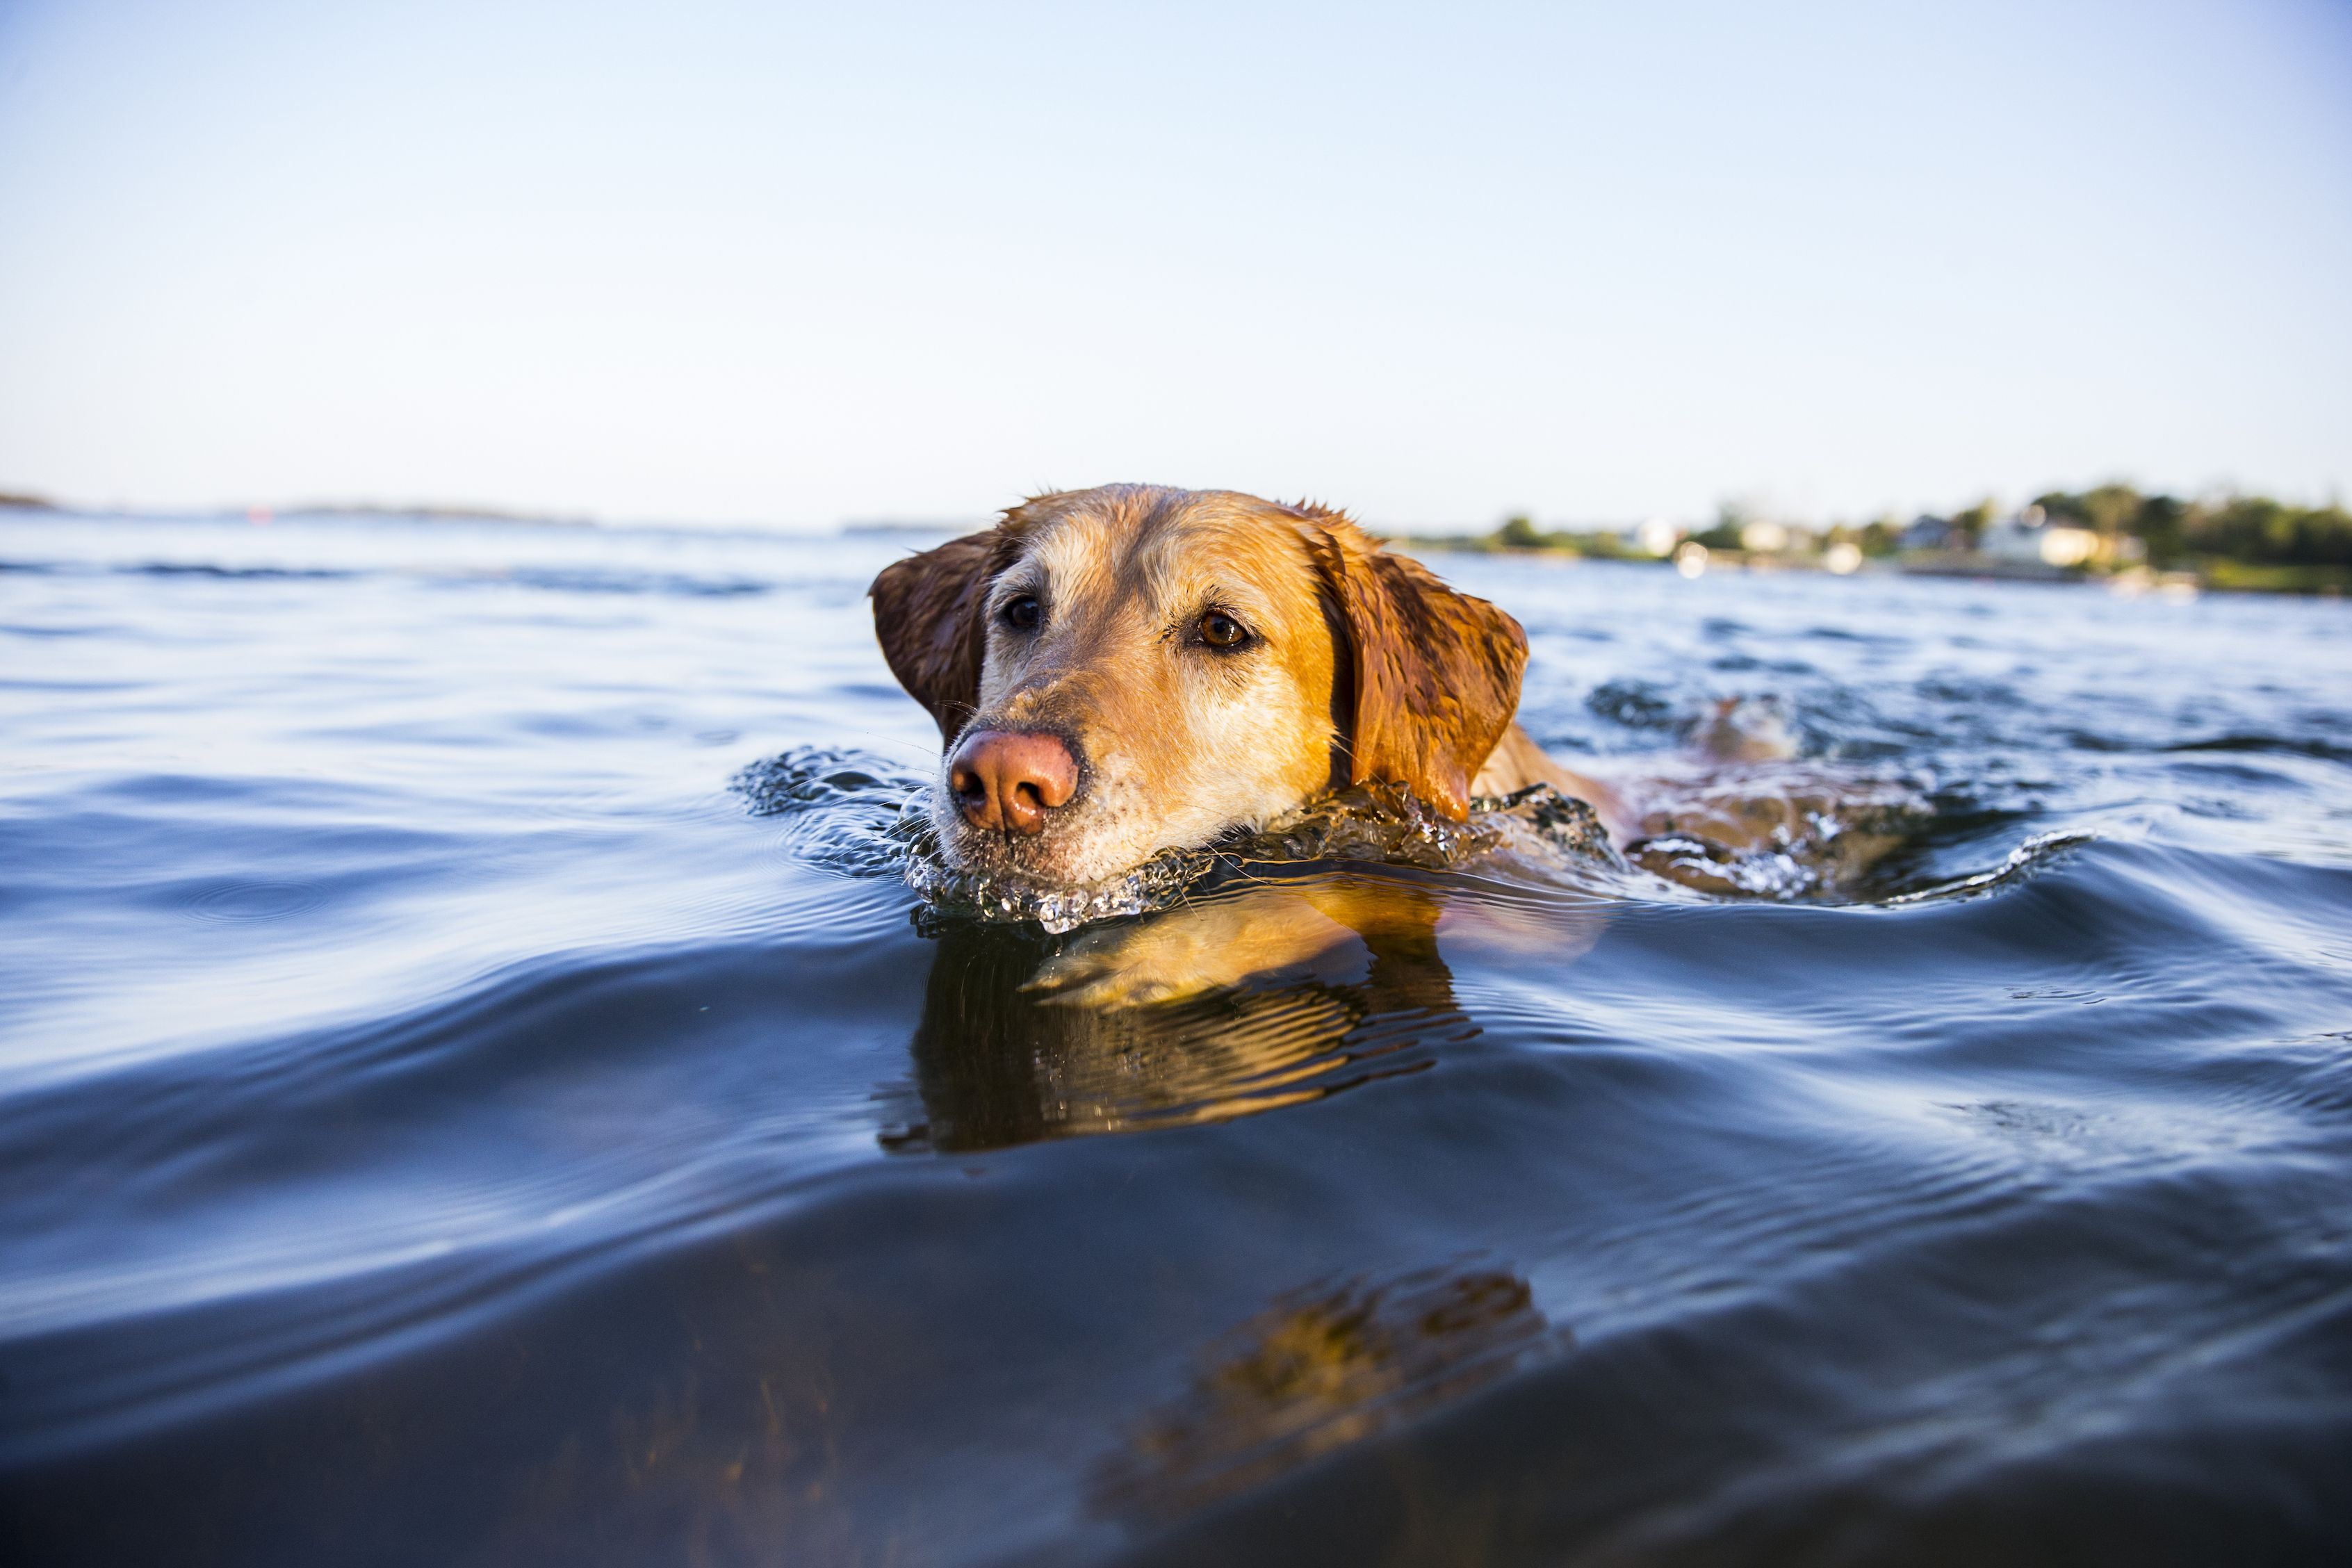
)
(626, 1157)
(255, 901)
(2035, 855)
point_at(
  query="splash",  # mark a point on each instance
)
(1377, 824)
(1786, 831)
(852, 814)
(1157, 884)
(847, 812)
(1388, 823)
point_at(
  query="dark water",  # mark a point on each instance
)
(441, 1122)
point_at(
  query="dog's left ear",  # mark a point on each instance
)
(1436, 673)
(927, 616)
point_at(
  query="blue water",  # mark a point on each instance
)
(442, 1121)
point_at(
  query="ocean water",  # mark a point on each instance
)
(445, 1117)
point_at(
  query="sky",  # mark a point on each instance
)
(791, 266)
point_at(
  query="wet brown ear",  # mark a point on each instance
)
(1436, 672)
(927, 612)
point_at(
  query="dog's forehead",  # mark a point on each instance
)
(1205, 544)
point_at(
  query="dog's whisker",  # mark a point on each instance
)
(882, 740)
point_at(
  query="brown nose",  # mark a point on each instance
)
(1011, 780)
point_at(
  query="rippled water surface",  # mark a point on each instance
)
(463, 1100)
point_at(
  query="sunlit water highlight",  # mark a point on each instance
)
(477, 1086)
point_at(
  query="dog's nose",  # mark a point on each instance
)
(1009, 780)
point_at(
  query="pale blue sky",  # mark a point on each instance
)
(793, 265)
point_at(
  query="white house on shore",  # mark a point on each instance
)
(2030, 538)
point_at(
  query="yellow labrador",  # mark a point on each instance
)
(1129, 670)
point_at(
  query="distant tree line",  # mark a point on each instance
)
(2252, 529)
(1521, 533)
(2229, 542)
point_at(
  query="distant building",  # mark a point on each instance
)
(1656, 536)
(1925, 532)
(2030, 538)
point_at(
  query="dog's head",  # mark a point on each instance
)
(1123, 670)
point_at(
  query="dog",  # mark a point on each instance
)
(1124, 671)
(1133, 668)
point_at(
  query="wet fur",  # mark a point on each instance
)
(1364, 667)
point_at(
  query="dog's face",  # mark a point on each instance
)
(1129, 670)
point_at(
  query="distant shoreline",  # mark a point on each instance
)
(18, 500)
(442, 512)
(429, 513)
(2127, 543)
(2112, 535)
(2210, 576)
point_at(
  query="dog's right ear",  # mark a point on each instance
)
(927, 616)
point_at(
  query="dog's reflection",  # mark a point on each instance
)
(1260, 996)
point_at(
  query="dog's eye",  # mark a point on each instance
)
(1219, 629)
(1023, 613)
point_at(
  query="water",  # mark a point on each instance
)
(446, 1119)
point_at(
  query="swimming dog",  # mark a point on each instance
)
(1129, 670)
(1134, 669)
